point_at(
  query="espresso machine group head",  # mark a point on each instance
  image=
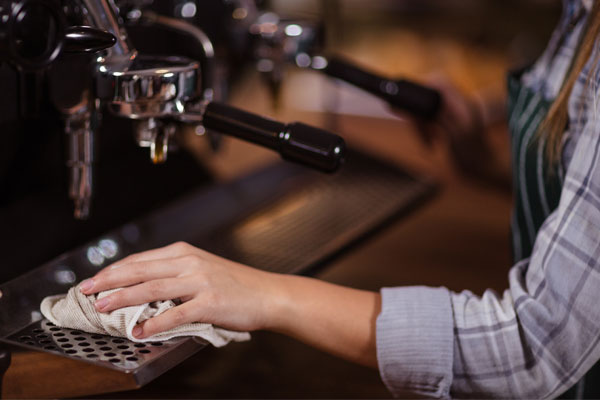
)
(279, 42)
(163, 92)
(160, 93)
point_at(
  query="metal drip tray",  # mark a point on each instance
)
(284, 218)
(111, 352)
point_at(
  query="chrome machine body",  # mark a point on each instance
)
(162, 91)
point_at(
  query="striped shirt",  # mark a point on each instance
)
(540, 336)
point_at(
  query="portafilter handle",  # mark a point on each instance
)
(297, 142)
(421, 101)
(160, 90)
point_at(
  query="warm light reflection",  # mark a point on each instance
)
(36, 316)
(108, 248)
(265, 65)
(303, 60)
(293, 30)
(319, 62)
(188, 10)
(95, 256)
(65, 276)
(239, 13)
(261, 222)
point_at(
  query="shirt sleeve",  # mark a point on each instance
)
(535, 340)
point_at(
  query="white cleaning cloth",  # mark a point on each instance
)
(75, 310)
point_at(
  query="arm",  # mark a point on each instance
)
(534, 341)
(333, 318)
(463, 122)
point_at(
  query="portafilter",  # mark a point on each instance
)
(162, 92)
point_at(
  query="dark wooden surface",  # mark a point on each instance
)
(37, 375)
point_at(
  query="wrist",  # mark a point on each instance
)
(277, 302)
(280, 303)
(333, 318)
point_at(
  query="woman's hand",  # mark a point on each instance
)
(212, 289)
(461, 123)
(459, 116)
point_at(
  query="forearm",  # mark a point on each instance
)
(335, 319)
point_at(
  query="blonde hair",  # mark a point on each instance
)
(553, 126)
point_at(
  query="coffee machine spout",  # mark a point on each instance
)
(80, 158)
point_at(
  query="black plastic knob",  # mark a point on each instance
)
(84, 39)
(419, 100)
(314, 147)
(297, 142)
(35, 33)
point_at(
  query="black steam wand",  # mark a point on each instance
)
(299, 42)
(297, 142)
(418, 100)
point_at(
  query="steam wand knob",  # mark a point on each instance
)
(84, 39)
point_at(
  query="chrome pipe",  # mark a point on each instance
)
(80, 157)
(178, 25)
(103, 14)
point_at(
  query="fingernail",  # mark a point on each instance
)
(115, 266)
(86, 285)
(102, 303)
(137, 331)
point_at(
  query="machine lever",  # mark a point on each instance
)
(421, 101)
(85, 39)
(296, 142)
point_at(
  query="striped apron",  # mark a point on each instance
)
(536, 186)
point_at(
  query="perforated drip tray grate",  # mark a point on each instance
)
(113, 352)
(284, 218)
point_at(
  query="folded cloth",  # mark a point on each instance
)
(75, 310)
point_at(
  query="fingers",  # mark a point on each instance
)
(155, 290)
(134, 273)
(182, 314)
(427, 132)
(177, 249)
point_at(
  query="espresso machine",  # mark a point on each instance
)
(249, 34)
(95, 98)
(88, 93)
